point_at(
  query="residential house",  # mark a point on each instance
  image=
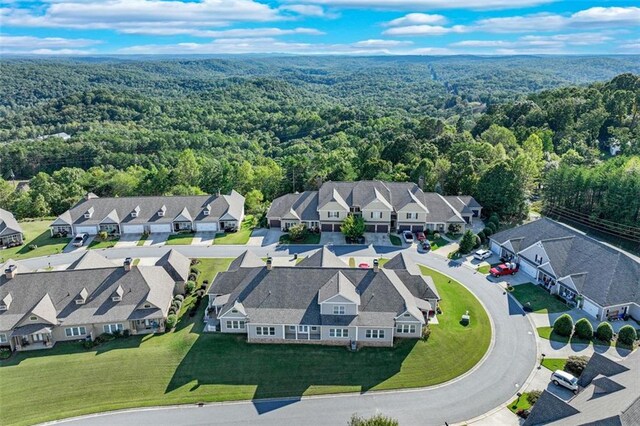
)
(599, 279)
(93, 296)
(322, 301)
(137, 215)
(609, 395)
(10, 230)
(384, 206)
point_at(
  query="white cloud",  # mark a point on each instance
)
(417, 19)
(629, 46)
(305, 10)
(557, 40)
(234, 33)
(381, 43)
(429, 4)
(30, 43)
(425, 30)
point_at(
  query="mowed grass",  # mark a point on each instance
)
(187, 366)
(395, 240)
(540, 301)
(554, 364)
(484, 268)
(35, 232)
(520, 403)
(97, 243)
(240, 237)
(180, 239)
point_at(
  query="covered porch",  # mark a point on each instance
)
(32, 337)
(302, 332)
(110, 228)
(11, 240)
(147, 326)
(179, 226)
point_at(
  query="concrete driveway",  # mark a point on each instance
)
(128, 240)
(332, 238)
(377, 239)
(203, 238)
(70, 248)
(158, 239)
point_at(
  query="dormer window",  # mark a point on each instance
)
(234, 311)
(207, 210)
(88, 213)
(162, 211)
(338, 310)
(6, 302)
(33, 318)
(117, 295)
(116, 298)
(82, 297)
(146, 306)
(135, 212)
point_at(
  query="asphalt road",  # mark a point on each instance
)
(505, 369)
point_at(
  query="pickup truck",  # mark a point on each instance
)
(504, 269)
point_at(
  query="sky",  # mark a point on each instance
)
(311, 27)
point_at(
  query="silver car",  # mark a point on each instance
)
(562, 378)
(408, 237)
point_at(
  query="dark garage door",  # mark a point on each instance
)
(417, 228)
(383, 228)
(274, 223)
(370, 228)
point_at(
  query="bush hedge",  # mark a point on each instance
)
(172, 320)
(627, 335)
(563, 325)
(189, 286)
(178, 297)
(576, 364)
(604, 332)
(584, 329)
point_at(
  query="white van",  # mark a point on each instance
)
(562, 378)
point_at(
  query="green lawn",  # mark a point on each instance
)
(187, 366)
(395, 240)
(540, 301)
(309, 238)
(549, 334)
(97, 243)
(520, 404)
(142, 239)
(554, 364)
(382, 261)
(484, 269)
(352, 262)
(240, 237)
(180, 239)
(209, 268)
(35, 232)
(437, 242)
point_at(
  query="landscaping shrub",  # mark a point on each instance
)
(195, 271)
(297, 232)
(604, 332)
(532, 396)
(193, 311)
(491, 226)
(203, 286)
(103, 235)
(117, 334)
(178, 297)
(584, 329)
(426, 332)
(106, 337)
(377, 420)
(172, 310)
(194, 262)
(172, 320)
(200, 293)
(627, 335)
(467, 242)
(32, 246)
(5, 353)
(495, 220)
(576, 364)
(126, 333)
(88, 344)
(563, 326)
(487, 231)
(455, 228)
(523, 413)
(175, 305)
(483, 238)
(189, 286)
(436, 235)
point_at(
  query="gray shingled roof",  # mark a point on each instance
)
(8, 224)
(176, 264)
(290, 295)
(340, 285)
(92, 260)
(610, 396)
(323, 258)
(402, 261)
(113, 209)
(603, 274)
(248, 259)
(304, 204)
(52, 295)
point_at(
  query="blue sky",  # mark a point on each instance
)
(349, 27)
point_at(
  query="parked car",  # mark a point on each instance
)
(80, 239)
(424, 246)
(562, 378)
(420, 236)
(408, 237)
(482, 254)
(504, 269)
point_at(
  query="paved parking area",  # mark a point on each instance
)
(128, 240)
(158, 239)
(203, 238)
(474, 263)
(377, 239)
(70, 248)
(332, 238)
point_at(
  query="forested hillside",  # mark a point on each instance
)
(497, 128)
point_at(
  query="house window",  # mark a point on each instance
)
(265, 331)
(374, 334)
(334, 214)
(338, 310)
(376, 215)
(339, 332)
(33, 318)
(303, 328)
(3, 338)
(147, 306)
(75, 331)
(111, 328)
(235, 325)
(412, 215)
(406, 328)
(38, 337)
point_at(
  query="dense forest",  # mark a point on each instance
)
(505, 130)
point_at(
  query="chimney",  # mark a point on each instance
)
(218, 192)
(318, 182)
(128, 264)
(269, 263)
(11, 271)
(421, 182)
(376, 266)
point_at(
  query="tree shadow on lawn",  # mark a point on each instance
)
(284, 372)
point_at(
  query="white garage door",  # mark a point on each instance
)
(213, 226)
(91, 230)
(133, 229)
(495, 247)
(160, 228)
(590, 308)
(528, 269)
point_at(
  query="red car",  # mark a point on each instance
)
(504, 269)
(420, 236)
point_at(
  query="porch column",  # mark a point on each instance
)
(296, 332)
